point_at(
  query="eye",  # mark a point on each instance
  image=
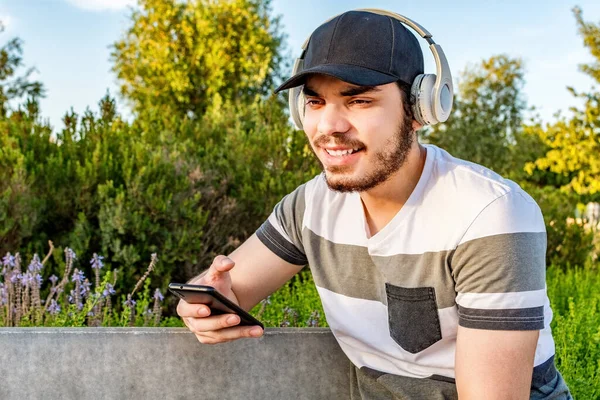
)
(360, 102)
(313, 102)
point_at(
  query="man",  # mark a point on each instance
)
(431, 269)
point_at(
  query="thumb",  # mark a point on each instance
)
(219, 271)
(223, 264)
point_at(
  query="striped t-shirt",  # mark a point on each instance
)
(467, 248)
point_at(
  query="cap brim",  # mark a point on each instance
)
(348, 73)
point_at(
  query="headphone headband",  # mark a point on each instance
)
(432, 94)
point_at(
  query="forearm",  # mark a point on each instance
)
(258, 272)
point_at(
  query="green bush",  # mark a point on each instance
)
(575, 300)
(296, 304)
(186, 189)
(570, 243)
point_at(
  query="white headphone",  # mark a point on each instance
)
(431, 95)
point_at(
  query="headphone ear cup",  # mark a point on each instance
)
(301, 106)
(421, 98)
(296, 105)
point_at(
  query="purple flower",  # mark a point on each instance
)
(28, 277)
(288, 313)
(85, 287)
(3, 294)
(96, 261)
(35, 265)
(129, 303)
(53, 279)
(78, 276)
(158, 295)
(53, 308)
(8, 260)
(72, 299)
(71, 253)
(108, 290)
(313, 320)
(15, 277)
(38, 279)
(25, 278)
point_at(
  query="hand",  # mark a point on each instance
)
(219, 328)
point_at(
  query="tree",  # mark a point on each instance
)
(487, 115)
(11, 86)
(18, 203)
(574, 143)
(184, 57)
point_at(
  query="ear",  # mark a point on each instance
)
(416, 125)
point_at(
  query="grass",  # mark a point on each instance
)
(296, 304)
(575, 299)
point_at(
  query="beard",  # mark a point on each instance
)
(386, 163)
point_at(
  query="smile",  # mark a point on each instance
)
(341, 153)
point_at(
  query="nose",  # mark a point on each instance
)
(332, 119)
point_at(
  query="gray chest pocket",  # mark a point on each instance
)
(413, 317)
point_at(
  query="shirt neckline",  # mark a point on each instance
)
(412, 202)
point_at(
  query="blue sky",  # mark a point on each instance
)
(68, 41)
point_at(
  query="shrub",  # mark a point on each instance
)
(295, 304)
(570, 243)
(187, 189)
(575, 301)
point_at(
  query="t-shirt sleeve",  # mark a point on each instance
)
(499, 266)
(282, 231)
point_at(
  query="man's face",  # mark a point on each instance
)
(360, 134)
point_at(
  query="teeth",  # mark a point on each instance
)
(340, 153)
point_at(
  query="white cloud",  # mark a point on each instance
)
(102, 5)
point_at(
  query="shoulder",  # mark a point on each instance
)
(467, 178)
(299, 197)
(481, 201)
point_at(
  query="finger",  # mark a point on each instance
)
(213, 323)
(208, 340)
(229, 334)
(185, 309)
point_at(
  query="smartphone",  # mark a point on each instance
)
(218, 304)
